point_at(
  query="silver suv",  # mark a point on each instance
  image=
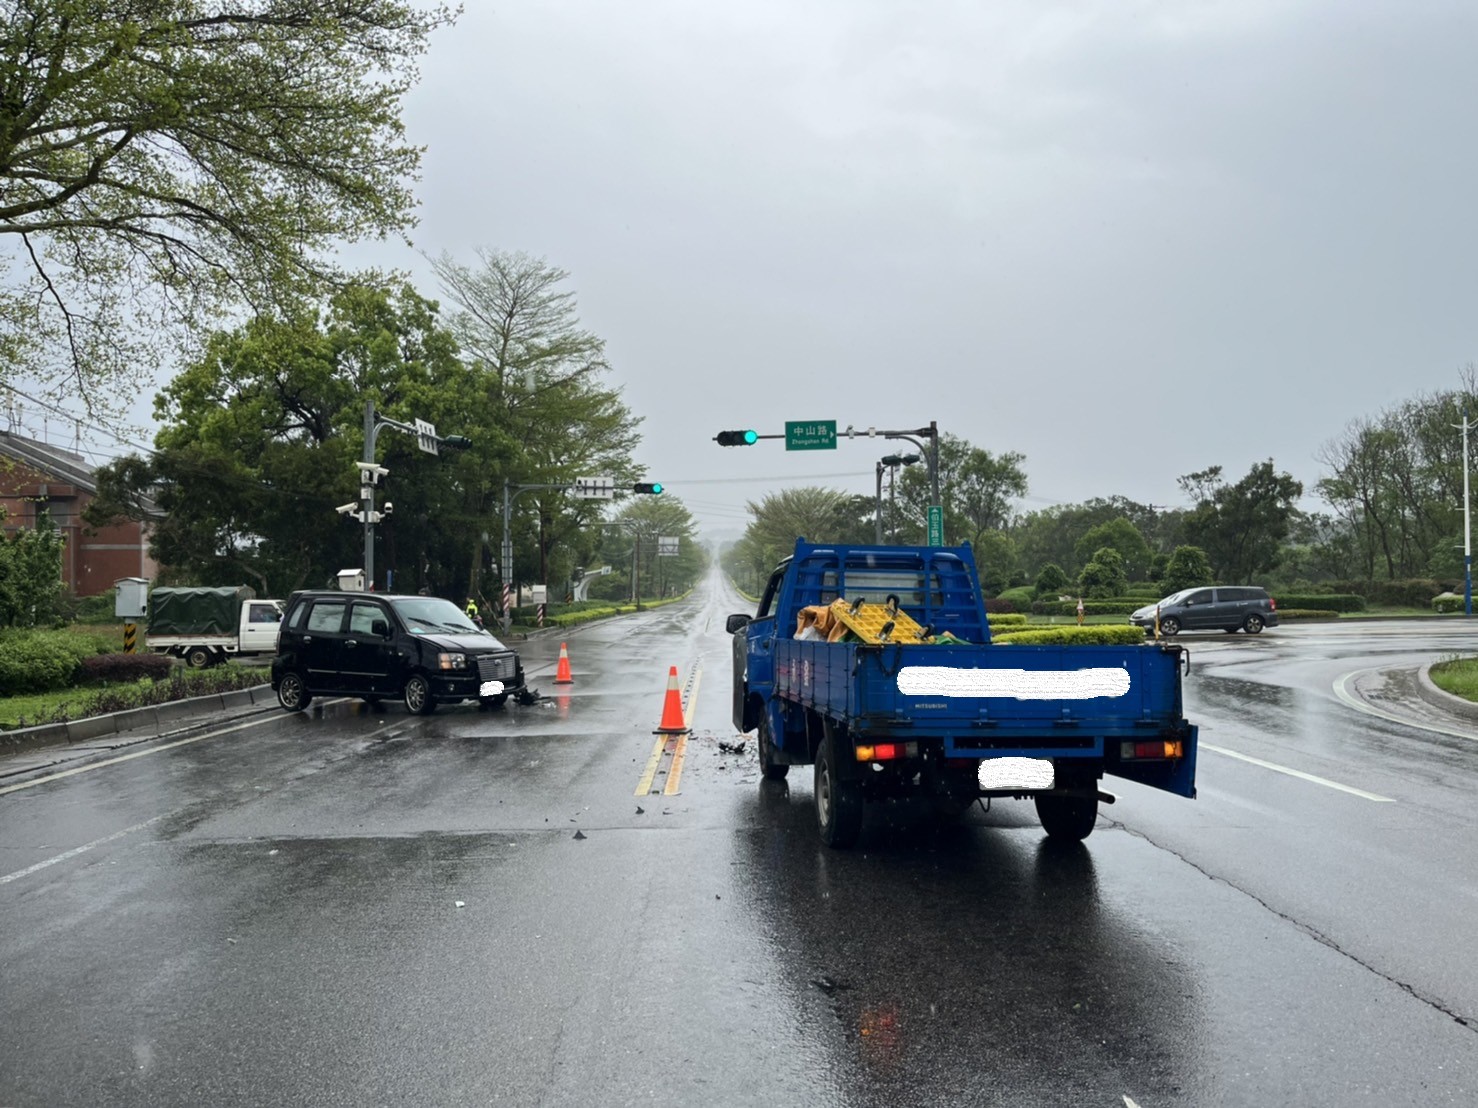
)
(1225, 608)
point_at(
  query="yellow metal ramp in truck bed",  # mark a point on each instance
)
(878, 623)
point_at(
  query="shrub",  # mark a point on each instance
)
(1104, 576)
(999, 605)
(1100, 635)
(1333, 602)
(35, 662)
(1020, 596)
(123, 667)
(1051, 581)
(1090, 607)
(1416, 592)
(1307, 614)
(1143, 590)
(1448, 602)
(1187, 567)
(1007, 619)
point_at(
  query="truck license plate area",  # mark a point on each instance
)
(1016, 773)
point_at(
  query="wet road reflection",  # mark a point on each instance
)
(959, 964)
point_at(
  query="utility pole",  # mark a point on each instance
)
(1467, 527)
(587, 488)
(370, 474)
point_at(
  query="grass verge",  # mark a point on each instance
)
(99, 699)
(1458, 676)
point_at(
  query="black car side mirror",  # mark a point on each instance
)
(380, 627)
(736, 623)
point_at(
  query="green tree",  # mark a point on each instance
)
(812, 513)
(1241, 527)
(1124, 537)
(259, 438)
(1051, 580)
(543, 376)
(632, 543)
(1187, 568)
(995, 560)
(30, 574)
(1104, 575)
(976, 486)
(163, 158)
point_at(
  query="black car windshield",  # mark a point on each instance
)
(430, 613)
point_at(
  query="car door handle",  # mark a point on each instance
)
(350, 642)
(307, 638)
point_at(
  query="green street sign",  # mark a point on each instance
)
(936, 525)
(816, 434)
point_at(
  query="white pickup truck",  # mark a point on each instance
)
(206, 626)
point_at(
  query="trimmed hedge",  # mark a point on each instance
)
(1449, 602)
(998, 605)
(1286, 614)
(1413, 592)
(42, 661)
(1098, 635)
(1090, 607)
(1021, 596)
(1007, 619)
(123, 667)
(1332, 602)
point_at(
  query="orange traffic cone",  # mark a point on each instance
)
(562, 673)
(672, 709)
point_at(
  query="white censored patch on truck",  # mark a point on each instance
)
(1020, 684)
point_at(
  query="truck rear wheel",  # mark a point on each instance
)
(770, 769)
(1067, 817)
(198, 657)
(838, 797)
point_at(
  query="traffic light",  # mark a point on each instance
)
(654, 488)
(736, 438)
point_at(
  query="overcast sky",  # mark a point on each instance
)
(1127, 239)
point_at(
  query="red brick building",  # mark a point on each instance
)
(36, 477)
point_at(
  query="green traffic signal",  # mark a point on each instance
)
(654, 488)
(736, 438)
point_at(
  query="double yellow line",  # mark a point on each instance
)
(674, 747)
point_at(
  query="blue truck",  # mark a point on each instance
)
(955, 718)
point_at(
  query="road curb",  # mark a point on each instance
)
(1438, 698)
(141, 724)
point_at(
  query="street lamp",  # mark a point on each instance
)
(890, 462)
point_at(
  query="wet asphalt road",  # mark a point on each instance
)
(270, 914)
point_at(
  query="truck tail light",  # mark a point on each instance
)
(1157, 749)
(887, 752)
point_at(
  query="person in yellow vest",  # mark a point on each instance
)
(472, 612)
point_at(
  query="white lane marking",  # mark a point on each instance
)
(1300, 774)
(1342, 690)
(83, 849)
(1129, 1101)
(136, 754)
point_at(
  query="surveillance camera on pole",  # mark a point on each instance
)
(348, 509)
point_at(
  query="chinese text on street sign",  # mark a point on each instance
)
(816, 434)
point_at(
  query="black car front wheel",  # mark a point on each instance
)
(1169, 626)
(417, 695)
(1253, 624)
(292, 694)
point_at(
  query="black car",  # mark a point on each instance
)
(421, 649)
